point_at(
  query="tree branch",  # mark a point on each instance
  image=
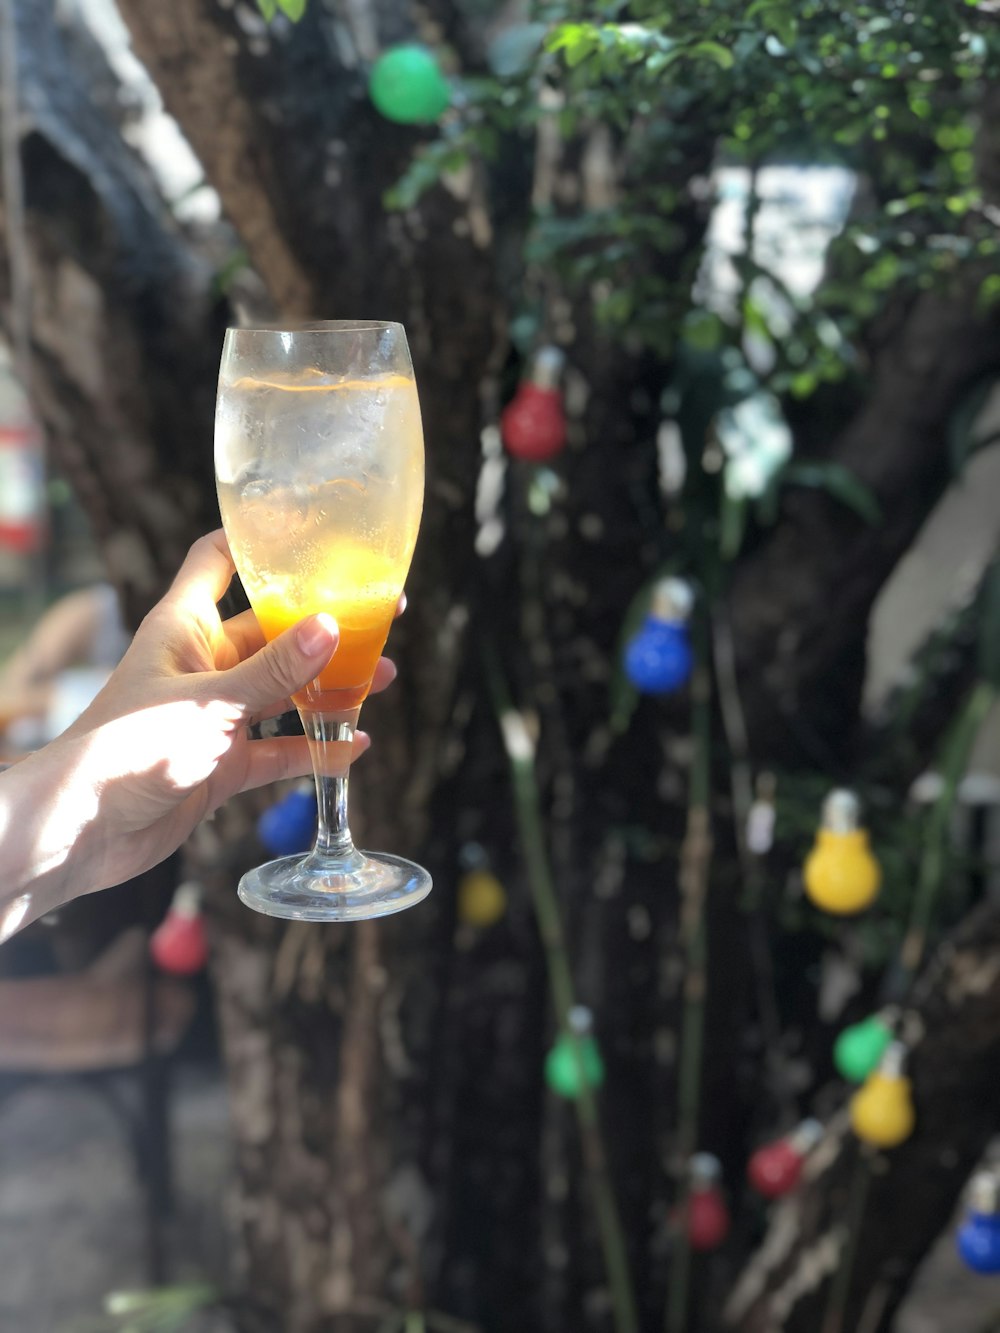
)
(801, 600)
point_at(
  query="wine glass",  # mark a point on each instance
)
(319, 461)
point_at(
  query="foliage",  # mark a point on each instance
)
(292, 9)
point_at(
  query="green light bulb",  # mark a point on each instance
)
(562, 1071)
(858, 1049)
(407, 86)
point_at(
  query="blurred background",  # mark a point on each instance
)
(696, 724)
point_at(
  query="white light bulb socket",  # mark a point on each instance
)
(805, 1137)
(841, 811)
(580, 1020)
(672, 601)
(704, 1169)
(893, 1062)
(547, 367)
(186, 900)
(984, 1192)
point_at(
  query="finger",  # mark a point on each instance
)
(401, 604)
(278, 709)
(276, 759)
(385, 674)
(283, 666)
(206, 572)
(287, 757)
(244, 633)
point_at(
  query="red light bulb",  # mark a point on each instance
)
(708, 1218)
(775, 1169)
(533, 424)
(707, 1214)
(179, 944)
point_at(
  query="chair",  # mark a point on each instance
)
(114, 1020)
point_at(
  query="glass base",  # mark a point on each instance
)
(312, 888)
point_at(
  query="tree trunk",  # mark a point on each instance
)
(395, 1145)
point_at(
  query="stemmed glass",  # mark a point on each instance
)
(319, 460)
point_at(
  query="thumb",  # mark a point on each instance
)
(286, 664)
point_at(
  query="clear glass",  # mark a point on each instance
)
(319, 462)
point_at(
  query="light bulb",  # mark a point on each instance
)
(978, 1240)
(708, 1218)
(179, 944)
(289, 825)
(658, 659)
(775, 1169)
(481, 899)
(563, 1068)
(841, 875)
(406, 85)
(533, 424)
(859, 1048)
(882, 1111)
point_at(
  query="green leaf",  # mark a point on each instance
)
(268, 8)
(714, 51)
(989, 293)
(292, 9)
(776, 17)
(703, 330)
(840, 483)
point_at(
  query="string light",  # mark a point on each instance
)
(533, 424)
(708, 1218)
(775, 1169)
(289, 825)
(658, 659)
(406, 85)
(482, 901)
(761, 816)
(858, 1049)
(841, 875)
(882, 1111)
(179, 944)
(563, 1065)
(978, 1240)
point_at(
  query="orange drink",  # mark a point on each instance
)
(359, 591)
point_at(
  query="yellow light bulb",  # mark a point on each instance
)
(481, 899)
(882, 1111)
(841, 874)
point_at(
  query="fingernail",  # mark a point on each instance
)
(390, 669)
(317, 634)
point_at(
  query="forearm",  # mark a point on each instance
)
(47, 810)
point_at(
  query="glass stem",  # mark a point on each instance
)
(330, 737)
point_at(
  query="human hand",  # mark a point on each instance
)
(166, 741)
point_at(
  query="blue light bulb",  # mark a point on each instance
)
(659, 660)
(978, 1240)
(289, 825)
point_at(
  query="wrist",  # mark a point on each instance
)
(47, 811)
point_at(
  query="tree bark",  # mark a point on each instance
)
(124, 322)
